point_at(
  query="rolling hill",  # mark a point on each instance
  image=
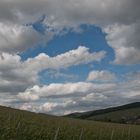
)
(23, 125)
(129, 113)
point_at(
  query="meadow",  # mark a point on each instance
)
(24, 125)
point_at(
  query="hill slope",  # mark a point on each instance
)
(129, 113)
(24, 125)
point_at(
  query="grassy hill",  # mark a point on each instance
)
(129, 113)
(24, 125)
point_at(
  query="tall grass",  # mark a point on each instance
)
(22, 125)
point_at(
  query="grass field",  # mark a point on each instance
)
(23, 125)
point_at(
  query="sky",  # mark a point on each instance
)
(59, 57)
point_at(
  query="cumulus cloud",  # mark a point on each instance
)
(64, 98)
(27, 96)
(81, 55)
(101, 76)
(16, 75)
(125, 41)
(13, 74)
(67, 89)
(19, 77)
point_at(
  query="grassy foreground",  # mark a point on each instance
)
(23, 125)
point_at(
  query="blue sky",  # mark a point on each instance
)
(65, 57)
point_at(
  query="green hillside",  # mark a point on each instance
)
(23, 125)
(129, 113)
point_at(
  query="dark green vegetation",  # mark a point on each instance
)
(129, 114)
(23, 125)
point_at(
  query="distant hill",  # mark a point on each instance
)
(23, 125)
(129, 113)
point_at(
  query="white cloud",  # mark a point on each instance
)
(27, 96)
(81, 55)
(62, 90)
(94, 97)
(62, 98)
(101, 76)
(17, 75)
(125, 41)
(83, 95)
(48, 107)
(71, 97)
(14, 75)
